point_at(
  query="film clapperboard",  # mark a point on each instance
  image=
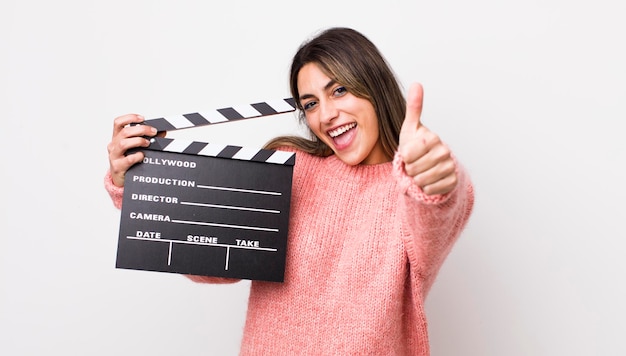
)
(208, 209)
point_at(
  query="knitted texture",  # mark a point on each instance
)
(364, 247)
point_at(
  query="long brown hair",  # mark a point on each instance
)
(354, 62)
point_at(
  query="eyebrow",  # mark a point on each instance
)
(326, 87)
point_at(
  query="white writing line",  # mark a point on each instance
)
(238, 190)
(227, 258)
(169, 255)
(200, 243)
(231, 207)
(225, 225)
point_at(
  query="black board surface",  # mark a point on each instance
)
(212, 215)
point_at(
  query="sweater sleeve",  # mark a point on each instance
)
(432, 223)
(117, 195)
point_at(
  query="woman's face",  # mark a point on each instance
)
(346, 123)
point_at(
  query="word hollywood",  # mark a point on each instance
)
(169, 162)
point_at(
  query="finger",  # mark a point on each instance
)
(120, 122)
(435, 173)
(118, 148)
(120, 166)
(137, 130)
(418, 144)
(130, 137)
(425, 158)
(442, 186)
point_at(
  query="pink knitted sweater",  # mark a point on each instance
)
(364, 247)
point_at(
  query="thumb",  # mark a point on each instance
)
(414, 101)
(413, 114)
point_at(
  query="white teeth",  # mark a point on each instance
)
(338, 131)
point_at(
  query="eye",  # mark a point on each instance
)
(340, 91)
(309, 105)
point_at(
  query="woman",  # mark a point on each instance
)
(377, 203)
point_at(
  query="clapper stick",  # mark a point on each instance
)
(208, 209)
(233, 113)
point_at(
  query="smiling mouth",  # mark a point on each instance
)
(341, 130)
(343, 136)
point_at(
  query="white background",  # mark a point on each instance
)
(530, 95)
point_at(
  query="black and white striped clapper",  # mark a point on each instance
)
(208, 209)
(239, 112)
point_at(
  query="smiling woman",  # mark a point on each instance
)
(377, 203)
(344, 122)
(355, 66)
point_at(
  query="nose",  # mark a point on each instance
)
(328, 111)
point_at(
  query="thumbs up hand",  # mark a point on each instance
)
(426, 159)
